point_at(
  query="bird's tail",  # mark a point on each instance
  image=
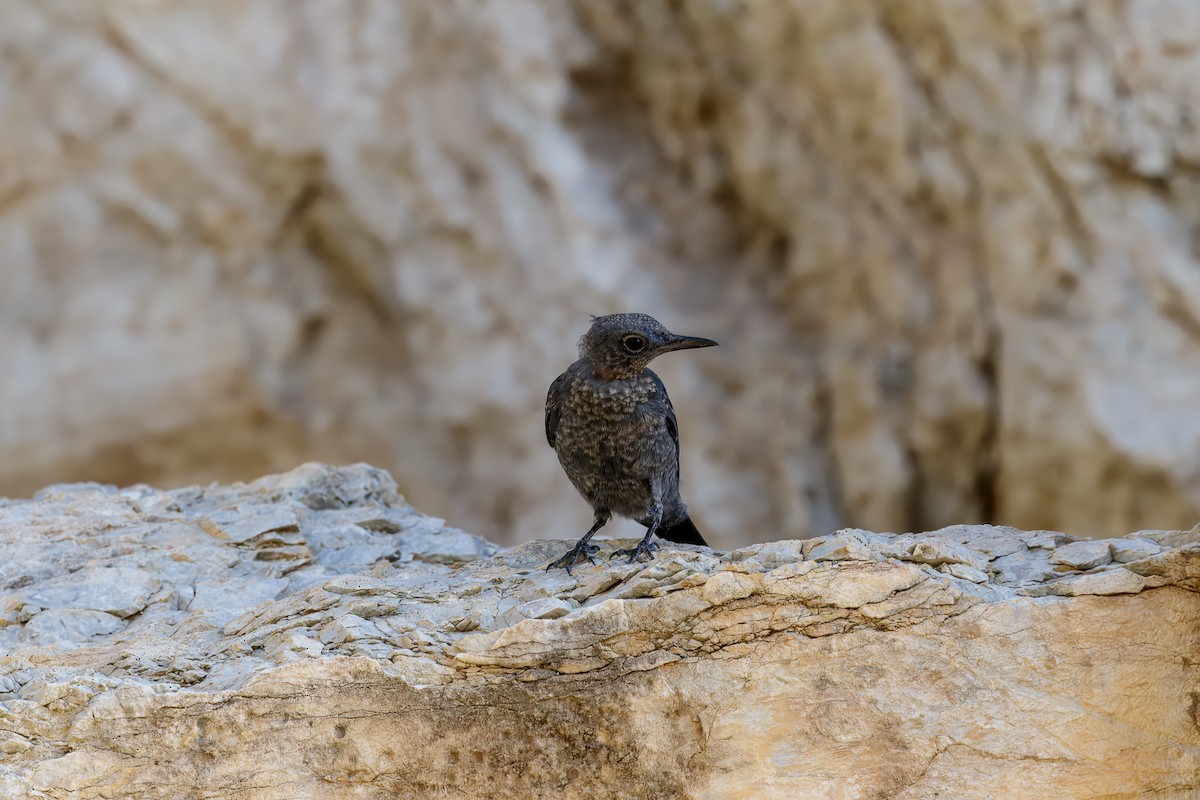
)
(682, 532)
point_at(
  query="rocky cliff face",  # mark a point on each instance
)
(950, 249)
(310, 635)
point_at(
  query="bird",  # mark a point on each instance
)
(612, 425)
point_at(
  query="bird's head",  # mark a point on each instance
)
(619, 346)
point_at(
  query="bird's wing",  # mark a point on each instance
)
(554, 401)
(669, 418)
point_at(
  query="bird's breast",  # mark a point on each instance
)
(603, 418)
(613, 443)
(607, 399)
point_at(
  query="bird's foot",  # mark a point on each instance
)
(644, 547)
(578, 553)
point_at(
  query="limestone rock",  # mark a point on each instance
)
(1133, 548)
(1177, 566)
(913, 666)
(951, 243)
(1082, 555)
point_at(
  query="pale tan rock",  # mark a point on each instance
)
(1132, 548)
(1177, 566)
(1115, 581)
(964, 571)
(695, 675)
(948, 249)
(1082, 555)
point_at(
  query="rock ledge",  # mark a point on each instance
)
(311, 635)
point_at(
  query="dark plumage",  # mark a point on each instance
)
(612, 425)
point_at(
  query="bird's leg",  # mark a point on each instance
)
(645, 546)
(582, 549)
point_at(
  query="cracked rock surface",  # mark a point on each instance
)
(311, 635)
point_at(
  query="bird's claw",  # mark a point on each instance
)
(574, 556)
(644, 547)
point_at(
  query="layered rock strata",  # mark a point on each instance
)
(310, 635)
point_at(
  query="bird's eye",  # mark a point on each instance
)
(634, 344)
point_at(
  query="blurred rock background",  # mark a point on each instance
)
(951, 249)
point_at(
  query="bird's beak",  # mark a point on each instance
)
(685, 343)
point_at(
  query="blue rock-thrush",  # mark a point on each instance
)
(612, 425)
